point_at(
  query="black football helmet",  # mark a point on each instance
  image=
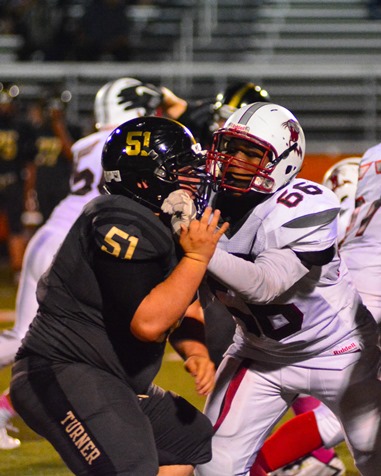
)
(147, 158)
(236, 96)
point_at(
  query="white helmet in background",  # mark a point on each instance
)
(342, 178)
(272, 128)
(123, 99)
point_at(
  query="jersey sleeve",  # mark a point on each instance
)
(132, 251)
(272, 273)
(303, 217)
(130, 232)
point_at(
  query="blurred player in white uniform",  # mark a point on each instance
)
(301, 325)
(116, 102)
(342, 179)
(361, 248)
(361, 252)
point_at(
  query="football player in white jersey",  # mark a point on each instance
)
(362, 242)
(342, 179)
(116, 102)
(361, 253)
(301, 324)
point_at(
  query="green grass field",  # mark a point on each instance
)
(35, 457)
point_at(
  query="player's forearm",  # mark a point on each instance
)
(189, 337)
(168, 301)
(172, 105)
(189, 348)
(272, 273)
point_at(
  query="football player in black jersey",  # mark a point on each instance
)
(204, 116)
(16, 156)
(119, 286)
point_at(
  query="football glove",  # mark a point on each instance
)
(180, 206)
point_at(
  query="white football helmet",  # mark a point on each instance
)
(269, 127)
(342, 178)
(124, 99)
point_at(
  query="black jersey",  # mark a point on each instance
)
(53, 167)
(115, 253)
(50, 158)
(198, 117)
(16, 148)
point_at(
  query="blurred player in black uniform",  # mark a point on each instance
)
(113, 294)
(54, 136)
(16, 155)
(204, 116)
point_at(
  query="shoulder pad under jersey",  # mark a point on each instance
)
(128, 230)
(302, 215)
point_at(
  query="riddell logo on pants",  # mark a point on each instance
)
(346, 348)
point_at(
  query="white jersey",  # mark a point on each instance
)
(361, 248)
(85, 184)
(286, 312)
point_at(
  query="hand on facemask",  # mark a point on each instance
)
(180, 206)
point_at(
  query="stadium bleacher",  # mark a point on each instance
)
(319, 59)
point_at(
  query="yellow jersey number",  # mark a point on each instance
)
(123, 250)
(137, 141)
(8, 145)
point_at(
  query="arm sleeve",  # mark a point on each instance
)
(273, 272)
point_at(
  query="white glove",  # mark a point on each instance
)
(180, 205)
